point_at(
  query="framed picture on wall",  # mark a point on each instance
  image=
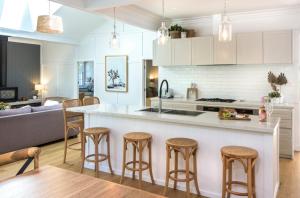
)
(116, 73)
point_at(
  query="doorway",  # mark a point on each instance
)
(85, 79)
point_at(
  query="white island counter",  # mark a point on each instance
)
(211, 134)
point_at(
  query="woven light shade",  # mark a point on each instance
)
(49, 24)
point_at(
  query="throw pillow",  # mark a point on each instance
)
(22, 110)
(50, 103)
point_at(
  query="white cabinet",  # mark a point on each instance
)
(202, 50)
(224, 52)
(278, 47)
(162, 54)
(181, 51)
(250, 48)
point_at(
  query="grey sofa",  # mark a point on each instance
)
(31, 129)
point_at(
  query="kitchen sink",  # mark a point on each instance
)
(155, 110)
(174, 111)
(183, 112)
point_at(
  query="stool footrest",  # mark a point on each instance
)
(181, 171)
(102, 157)
(137, 164)
(73, 144)
(237, 193)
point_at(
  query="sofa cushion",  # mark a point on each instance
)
(51, 103)
(8, 112)
(46, 108)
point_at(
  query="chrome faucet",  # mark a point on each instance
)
(160, 92)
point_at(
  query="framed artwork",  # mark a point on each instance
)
(116, 73)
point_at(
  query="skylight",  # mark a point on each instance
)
(22, 14)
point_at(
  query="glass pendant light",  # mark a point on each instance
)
(49, 23)
(163, 32)
(114, 41)
(225, 27)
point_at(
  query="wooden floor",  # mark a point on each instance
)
(52, 155)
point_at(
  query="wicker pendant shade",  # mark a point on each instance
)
(50, 24)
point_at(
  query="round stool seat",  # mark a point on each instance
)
(239, 152)
(181, 142)
(137, 136)
(96, 130)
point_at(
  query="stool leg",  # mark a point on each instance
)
(249, 178)
(134, 159)
(229, 178)
(253, 181)
(82, 155)
(187, 171)
(150, 160)
(176, 169)
(195, 172)
(66, 144)
(140, 162)
(224, 176)
(124, 160)
(108, 153)
(96, 137)
(167, 169)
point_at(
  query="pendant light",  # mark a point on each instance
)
(49, 23)
(114, 41)
(163, 32)
(225, 27)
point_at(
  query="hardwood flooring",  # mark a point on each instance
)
(52, 154)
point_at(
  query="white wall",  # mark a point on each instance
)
(134, 42)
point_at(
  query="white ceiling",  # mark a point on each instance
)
(194, 8)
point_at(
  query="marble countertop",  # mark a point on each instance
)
(207, 119)
(236, 104)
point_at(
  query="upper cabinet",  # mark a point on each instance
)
(181, 51)
(245, 48)
(162, 54)
(250, 48)
(203, 50)
(224, 52)
(278, 47)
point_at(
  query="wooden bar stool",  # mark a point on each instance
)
(90, 101)
(139, 141)
(187, 147)
(96, 134)
(72, 121)
(247, 157)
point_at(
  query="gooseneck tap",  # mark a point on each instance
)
(160, 92)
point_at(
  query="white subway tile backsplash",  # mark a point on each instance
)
(248, 82)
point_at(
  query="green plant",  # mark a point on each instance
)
(274, 94)
(3, 106)
(175, 27)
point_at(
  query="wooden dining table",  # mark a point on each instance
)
(50, 181)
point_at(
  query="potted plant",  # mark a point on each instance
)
(175, 31)
(3, 106)
(276, 81)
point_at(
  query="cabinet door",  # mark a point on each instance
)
(202, 50)
(278, 47)
(224, 52)
(181, 51)
(162, 55)
(250, 48)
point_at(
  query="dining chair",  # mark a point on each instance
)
(28, 153)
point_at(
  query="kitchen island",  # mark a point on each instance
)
(207, 129)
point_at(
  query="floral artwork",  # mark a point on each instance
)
(116, 73)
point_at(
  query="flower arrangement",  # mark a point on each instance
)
(3, 106)
(276, 82)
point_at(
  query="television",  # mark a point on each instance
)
(8, 94)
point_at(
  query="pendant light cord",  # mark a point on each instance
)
(114, 20)
(163, 8)
(49, 7)
(225, 7)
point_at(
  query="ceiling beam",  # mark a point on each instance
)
(103, 4)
